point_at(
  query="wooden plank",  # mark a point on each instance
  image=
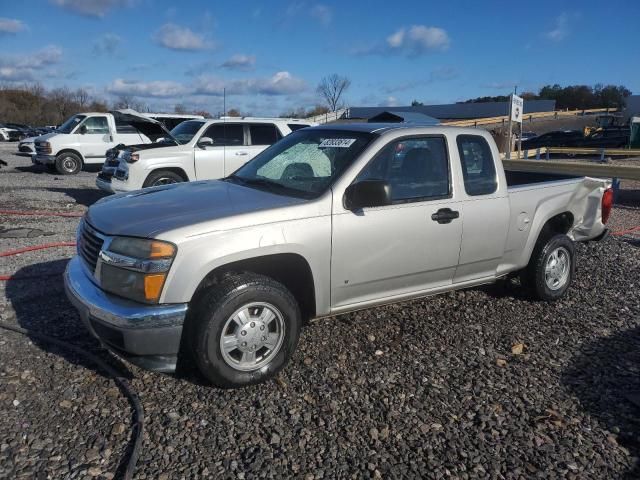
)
(527, 116)
(630, 152)
(597, 170)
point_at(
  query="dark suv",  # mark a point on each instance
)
(558, 138)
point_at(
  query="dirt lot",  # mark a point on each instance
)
(429, 388)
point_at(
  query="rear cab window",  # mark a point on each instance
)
(478, 166)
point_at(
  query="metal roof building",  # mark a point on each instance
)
(392, 116)
(456, 111)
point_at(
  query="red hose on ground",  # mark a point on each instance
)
(624, 232)
(37, 247)
(4, 278)
(41, 213)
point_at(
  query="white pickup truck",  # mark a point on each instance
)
(194, 150)
(328, 220)
(84, 138)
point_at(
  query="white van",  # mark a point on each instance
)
(85, 138)
(194, 150)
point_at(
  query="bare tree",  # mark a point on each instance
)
(331, 89)
(179, 108)
(233, 112)
(123, 101)
(81, 96)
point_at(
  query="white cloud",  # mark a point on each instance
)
(25, 67)
(412, 41)
(11, 26)
(390, 101)
(92, 8)
(560, 28)
(419, 39)
(157, 88)
(319, 12)
(107, 44)
(239, 62)
(322, 14)
(281, 83)
(175, 37)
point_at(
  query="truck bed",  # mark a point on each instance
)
(516, 179)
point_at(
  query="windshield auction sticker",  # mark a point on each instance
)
(337, 142)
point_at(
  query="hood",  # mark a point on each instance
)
(149, 127)
(47, 136)
(152, 211)
(29, 140)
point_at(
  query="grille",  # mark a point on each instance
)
(89, 245)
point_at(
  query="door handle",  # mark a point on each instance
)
(445, 215)
(241, 153)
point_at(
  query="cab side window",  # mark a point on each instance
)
(226, 134)
(97, 125)
(416, 169)
(124, 127)
(478, 167)
(264, 134)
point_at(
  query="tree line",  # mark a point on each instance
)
(572, 97)
(32, 104)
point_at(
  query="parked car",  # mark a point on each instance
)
(27, 147)
(323, 222)
(84, 139)
(194, 150)
(558, 138)
(9, 134)
(607, 137)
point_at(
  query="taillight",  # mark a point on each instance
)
(607, 204)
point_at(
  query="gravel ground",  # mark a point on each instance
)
(429, 388)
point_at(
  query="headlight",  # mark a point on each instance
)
(136, 268)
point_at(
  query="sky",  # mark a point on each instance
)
(270, 56)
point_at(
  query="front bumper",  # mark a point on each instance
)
(104, 184)
(39, 159)
(146, 335)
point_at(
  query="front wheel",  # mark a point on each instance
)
(68, 163)
(550, 268)
(162, 177)
(245, 328)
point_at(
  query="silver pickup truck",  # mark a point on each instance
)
(328, 220)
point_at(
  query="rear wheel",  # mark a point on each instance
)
(550, 268)
(162, 177)
(68, 163)
(245, 328)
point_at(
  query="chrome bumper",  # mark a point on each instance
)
(146, 335)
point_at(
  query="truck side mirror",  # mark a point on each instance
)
(205, 142)
(368, 193)
(82, 130)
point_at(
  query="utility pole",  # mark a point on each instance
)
(508, 154)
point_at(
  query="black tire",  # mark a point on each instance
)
(162, 177)
(535, 276)
(68, 163)
(215, 308)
